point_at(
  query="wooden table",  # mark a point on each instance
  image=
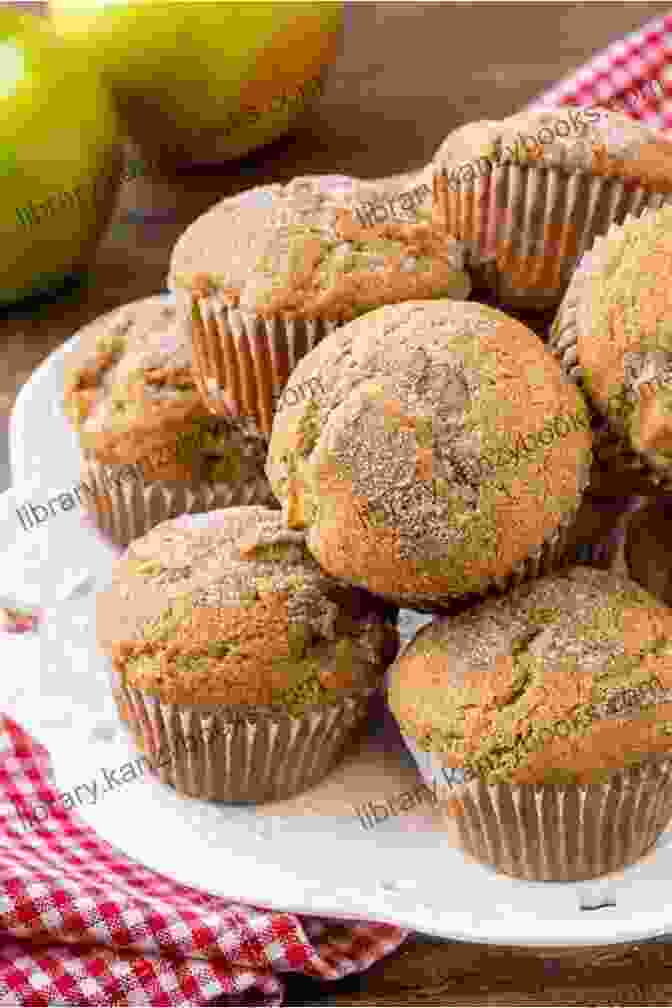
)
(408, 73)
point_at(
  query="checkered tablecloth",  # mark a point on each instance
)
(633, 75)
(82, 924)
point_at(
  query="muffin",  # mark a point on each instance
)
(431, 450)
(272, 271)
(613, 336)
(150, 448)
(241, 668)
(529, 194)
(544, 720)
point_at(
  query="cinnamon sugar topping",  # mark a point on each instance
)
(239, 613)
(133, 398)
(319, 260)
(433, 441)
(570, 675)
(625, 351)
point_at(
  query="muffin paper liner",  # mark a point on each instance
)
(253, 754)
(554, 832)
(631, 470)
(242, 361)
(546, 216)
(124, 509)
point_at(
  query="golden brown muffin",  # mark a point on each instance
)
(564, 686)
(225, 618)
(529, 194)
(431, 450)
(131, 395)
(272, 271)
(613, 336)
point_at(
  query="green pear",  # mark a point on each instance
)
(203, 82)
(61, 157)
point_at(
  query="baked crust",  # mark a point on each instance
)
(439, 448)
(229, 608)
(568, 676)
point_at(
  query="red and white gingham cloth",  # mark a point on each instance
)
(82, 924)
(634, 74)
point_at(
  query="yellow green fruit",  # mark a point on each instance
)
(203, 82)
(60, 157)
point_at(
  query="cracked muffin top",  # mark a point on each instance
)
(440, 446)
(567, 678)
(328, 247)
(131, 395)
(229, 608)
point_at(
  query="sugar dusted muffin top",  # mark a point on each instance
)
(143, 337)
(439, 447)
(329, 247)
(593, 139)
(131, 395)
(229, 608)
(624, 331)
(569, 677)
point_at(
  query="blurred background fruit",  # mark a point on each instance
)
(60, 158)
(205, 81)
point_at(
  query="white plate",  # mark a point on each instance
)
(312, 855)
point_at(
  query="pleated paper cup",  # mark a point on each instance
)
(242, 361)
(123, 509)
(618, 467)
(555, 832)
(250, 755)
(526, 226)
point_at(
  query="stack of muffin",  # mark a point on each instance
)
(357, 436)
